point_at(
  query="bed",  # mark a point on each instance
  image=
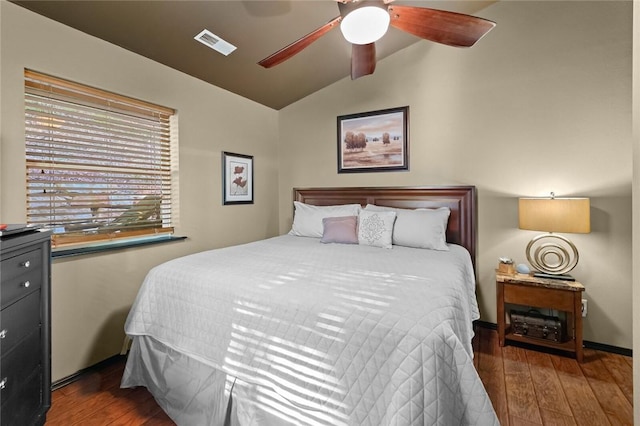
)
(298, 330)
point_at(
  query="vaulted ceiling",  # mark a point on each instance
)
(164, 32)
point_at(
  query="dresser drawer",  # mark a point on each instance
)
(21, 263)
(23, 407)
(17, 364)
(18, 320)
(19, 286)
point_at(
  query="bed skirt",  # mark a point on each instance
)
(192, 392)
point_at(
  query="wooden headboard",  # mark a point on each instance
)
(461, 200)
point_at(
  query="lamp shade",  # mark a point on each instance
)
(565, 215)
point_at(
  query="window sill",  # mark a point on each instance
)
(79, 251)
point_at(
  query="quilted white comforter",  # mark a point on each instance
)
(325, 334)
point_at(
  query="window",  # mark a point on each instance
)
(99, 165)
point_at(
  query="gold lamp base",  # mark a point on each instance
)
(553, 255)
(563, 277)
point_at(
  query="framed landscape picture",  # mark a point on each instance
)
(375, 141)
(237, 178)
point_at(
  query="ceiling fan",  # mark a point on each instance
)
(362, 22)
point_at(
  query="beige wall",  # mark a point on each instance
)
(92, 294)
(542, 103)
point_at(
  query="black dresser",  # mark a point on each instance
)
(25, 328)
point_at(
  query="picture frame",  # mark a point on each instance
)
(237, 178)
(374, 141)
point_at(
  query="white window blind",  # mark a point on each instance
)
(98, 164)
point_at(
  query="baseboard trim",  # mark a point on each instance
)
(608, 348)
(76, 376)
(485, 324)
(586, 343)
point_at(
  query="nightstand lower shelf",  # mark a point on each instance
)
(569, 346)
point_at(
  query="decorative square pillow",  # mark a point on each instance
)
(419, 228)
(343, 230)
(307, 219)
(376, 228)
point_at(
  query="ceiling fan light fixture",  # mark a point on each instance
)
(365, 25)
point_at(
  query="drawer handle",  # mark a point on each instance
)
(26, 284)
(3, 383)
(26, 264)
(3, 333)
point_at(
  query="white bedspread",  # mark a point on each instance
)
(326, 334)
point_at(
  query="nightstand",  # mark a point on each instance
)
(527, 291)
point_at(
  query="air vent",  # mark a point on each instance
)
(211, 40)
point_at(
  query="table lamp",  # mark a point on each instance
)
(551, 254)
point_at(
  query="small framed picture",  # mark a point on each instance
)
(237, 178)
(374, 141)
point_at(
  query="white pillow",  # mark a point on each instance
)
(375, 228)
(307, 219)
(419, 228)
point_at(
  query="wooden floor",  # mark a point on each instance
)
(528, 387)
(97, 399)
(525, 386)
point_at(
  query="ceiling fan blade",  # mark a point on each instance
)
(450, 28)
(363, 60)
(295, 47)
